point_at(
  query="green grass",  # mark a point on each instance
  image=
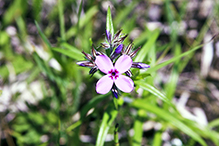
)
(65, 106)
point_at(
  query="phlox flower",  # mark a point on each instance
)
(90, 62)
(114, 74)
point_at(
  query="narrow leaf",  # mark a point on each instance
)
(165, 115)
(42, 35)
(138, 128)
(147, 46)
(153, 69)
(83, 21)
(108, 117)
(77, 55)
(61, 20)
(152, 90)
(109, 22)
(79, 14)
(91, 104)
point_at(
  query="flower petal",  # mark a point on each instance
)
(104, 63)
(104, 85)
(124, 83)
(123, 63)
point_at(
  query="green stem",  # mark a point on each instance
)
(115, 101)
(116, 135)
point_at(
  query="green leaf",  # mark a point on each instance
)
(165, 115)
(147, 46)
(61, 19)
(42, 35)
(70, 51)
(213, 123)
(20, 64)
(79, 14)
(115, 100)
(157, 139)
(173, 79)
(138, 128)
(154, 68)
(37, 7)
(15, 9)
(108, 117)
(91, 104)
(152, 90)
(109, 22)
(83, 21)
(43, 66)
(122, 14)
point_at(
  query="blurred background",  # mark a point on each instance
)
(43, 92)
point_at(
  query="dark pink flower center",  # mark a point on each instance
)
(114, 74)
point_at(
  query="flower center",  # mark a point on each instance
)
(113, 74)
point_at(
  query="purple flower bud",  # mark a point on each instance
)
(119, 40)
(105, 45)
(114, 91)
(88, 56)
(108, 36)
(134, 52)
(86, 64)
(140, 65)
(94, 52)
(117, 51)
(117, 34)
(93, 70)
(128, 73)
(128, 48)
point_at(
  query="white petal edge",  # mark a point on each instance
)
(124, 83)
(104, 63)
(104, 85)
(123, 63)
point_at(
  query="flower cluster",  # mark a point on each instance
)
(113, 65)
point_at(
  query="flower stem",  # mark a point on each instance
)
(116, 135)
(115, 100)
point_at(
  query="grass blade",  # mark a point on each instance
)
(79, 14)
(77, 55)
(152, 90)
(108, 117)
(147, 46)
(61, 20)
(69, 51)
(138, 128)
(153, 69)
(42, 35)
(143, 104)
(91, 104)
(109, 22)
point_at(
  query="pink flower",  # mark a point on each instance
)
(114, 74)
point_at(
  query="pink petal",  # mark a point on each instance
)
(104, 63)
(124, 83)
(123, 64)
(104, 85)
